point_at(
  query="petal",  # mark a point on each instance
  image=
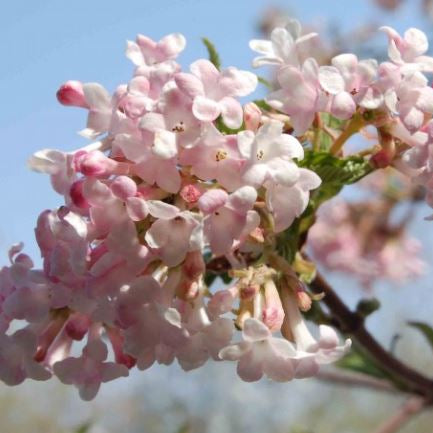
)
(134, 53)
(343, 106)
(96, 96)
(255, 330)
(245, 140)
(235, 351)
(234, 82)
(250, 366)
(206, 72)
(231, 111)
(110, 371)
(328, 337)
(137, 208)
(331, 80)
(152, 122)
(164, 144)
(189, 84)
(159, 209)
(212, 200)
(171, 45)
(278, 368)
(308, 179)
(417, 40)
(243, 199)
(205, 109)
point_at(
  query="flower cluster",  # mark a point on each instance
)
(182, 183)
(359, 239)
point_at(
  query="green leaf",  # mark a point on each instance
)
(325, 140)
(261, 103)
(265, 82)
(212, 53)
(222, 127)
(355, 361)
(288, 241)
(425, 329)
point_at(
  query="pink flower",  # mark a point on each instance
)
(228, 216)
(173, 236)
(311, 353)
(288, 202)
(175, 117)
(90, 370)
(206, 338)
(214, 92)
(16, 358)
(259, 353)
(408, 51)
(269, 155)
(217, 158)
(300, 95)
(286, 47)
(148, 52)
(411, 99)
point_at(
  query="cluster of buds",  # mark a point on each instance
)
(179, 177)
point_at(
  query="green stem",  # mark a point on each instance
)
(354, 125)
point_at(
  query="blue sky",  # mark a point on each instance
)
(45, 43)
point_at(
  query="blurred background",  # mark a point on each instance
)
(45, 43)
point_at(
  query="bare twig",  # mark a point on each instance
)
(356, 380)
(405, 413)
(352, 323)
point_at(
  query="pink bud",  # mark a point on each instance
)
(71, 93)
(76, 194)
(124, 187)
(212, 200)
(252, 116)
(77, 326)
(190, 193)
(273, 313)
(116, 340)
(97, 164)
(193, 266)
(382, 159)
(304, 301)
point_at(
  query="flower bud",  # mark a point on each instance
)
(304, 301)
(252, 116)
(273, 313)
(71, 93)
(77, 196)
(190, 193)
(95, 163)
(77, 326)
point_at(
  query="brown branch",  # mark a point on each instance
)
(353, 324)
(355, 380)
(405, 412)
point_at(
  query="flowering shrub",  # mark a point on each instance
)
(184, 184)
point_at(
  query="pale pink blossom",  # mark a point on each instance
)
(260, 353)
(90, 370)
(286, 47)
(214, 92)
(227, 216)
(408, 51)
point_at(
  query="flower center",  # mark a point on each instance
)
(220, 155)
